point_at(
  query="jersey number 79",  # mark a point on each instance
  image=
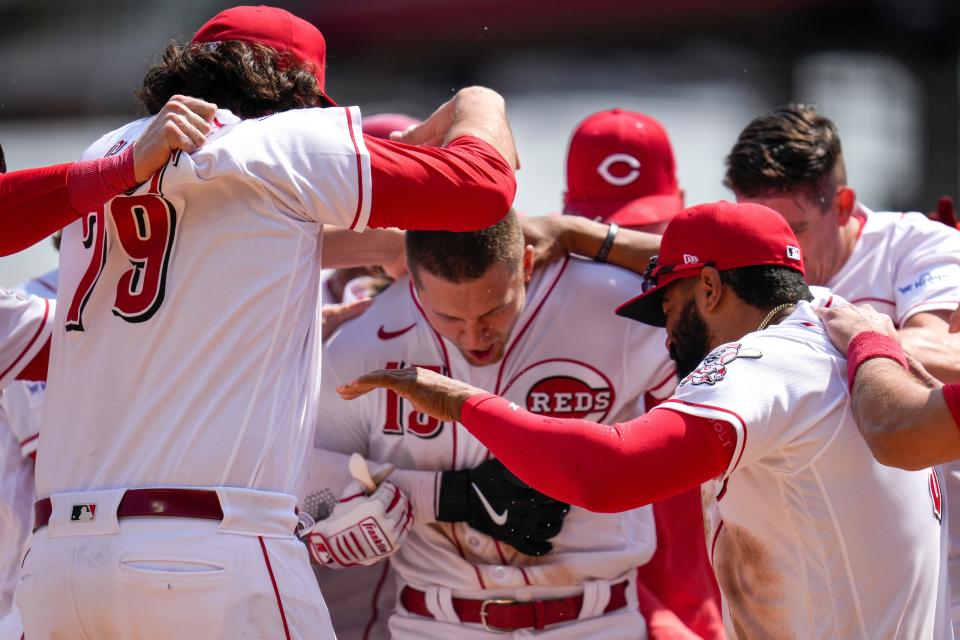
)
(146, 227)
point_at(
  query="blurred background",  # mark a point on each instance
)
(886, 71)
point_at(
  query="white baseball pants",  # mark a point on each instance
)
(156, 578)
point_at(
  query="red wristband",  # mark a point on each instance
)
(868, 345)
(93, 182)
(951, 393)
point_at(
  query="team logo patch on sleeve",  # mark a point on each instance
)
(714, 367)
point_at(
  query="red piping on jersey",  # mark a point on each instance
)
(356, 150)
(43, 325)
(529, 321)
(446, 363)
(24, 443)
(276, 590)
(669, 377)
(456, 541)
(862, 217)
(374, 610)
(716, 535)
(721, 409)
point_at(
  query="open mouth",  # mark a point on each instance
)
(482, 355)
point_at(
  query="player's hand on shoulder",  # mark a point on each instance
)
(844, 322)
(362, 529)
(182, 124)
(494, 501)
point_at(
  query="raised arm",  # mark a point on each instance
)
(37, 202)
(452, 172)
(556, 236)
(604, 468)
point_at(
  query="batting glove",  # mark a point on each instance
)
(362, 529)
(494, 501)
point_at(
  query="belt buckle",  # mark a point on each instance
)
(483, 613)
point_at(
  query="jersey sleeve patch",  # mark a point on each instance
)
(713, 369)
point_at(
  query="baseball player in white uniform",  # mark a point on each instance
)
(903, 264)
(185, 357)
(21, 404)
(465, 313)
(803, 510)
(26, 323)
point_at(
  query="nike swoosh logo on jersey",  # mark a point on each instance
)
(383, 334)
(499, 519)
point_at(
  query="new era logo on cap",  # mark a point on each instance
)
(793, 252)
(689, 259)
(83, 512)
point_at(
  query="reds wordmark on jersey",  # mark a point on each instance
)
(599, 377)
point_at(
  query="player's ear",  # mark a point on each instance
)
(710, 289)
(527, 263)
(844, 201)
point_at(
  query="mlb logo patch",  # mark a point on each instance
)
(793, 252)
(689, 259)
(83, 512)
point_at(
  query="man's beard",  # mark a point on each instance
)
(690, 341)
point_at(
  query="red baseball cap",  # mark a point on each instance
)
(620, 168)
(274, 28)
(381, 125)
(722, 235)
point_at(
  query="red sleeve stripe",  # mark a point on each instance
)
(362, 214)
(724, 413)
(28, 447)
(951, 393)
(43, 328)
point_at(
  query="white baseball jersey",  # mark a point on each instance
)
(568, 356)
(20, 406)
(902, 264)
(186, 343)
(811, 537)
(25, 326)
(22, 402)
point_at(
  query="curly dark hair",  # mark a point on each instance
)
(249, 79)
(792, 148)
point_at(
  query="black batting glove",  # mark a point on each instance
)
(494, 501)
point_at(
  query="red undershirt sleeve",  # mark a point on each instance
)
(36, 369)
(464, 186)
(35, 203)
(951, 393)
(602, 468)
